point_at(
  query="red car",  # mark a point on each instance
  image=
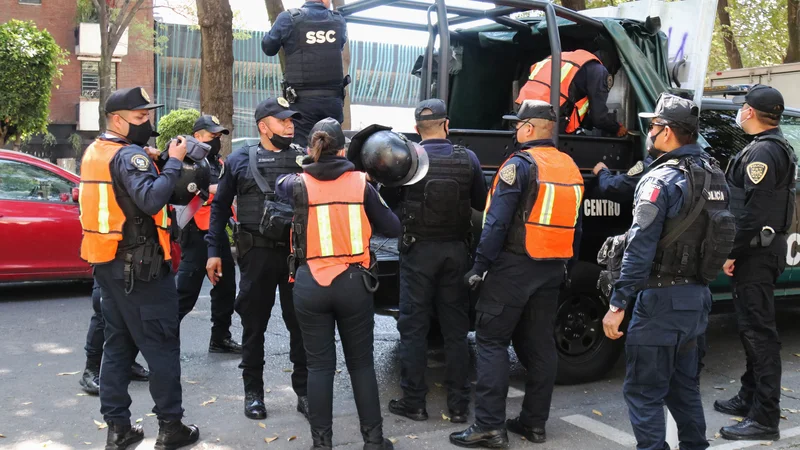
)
(40, 230)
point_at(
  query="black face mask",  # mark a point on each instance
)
(281, 142)
(215, 144)
(139, 134)
(651, 146)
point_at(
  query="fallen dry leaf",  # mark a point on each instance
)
(338, 370)
(150, 415)
(797, 354)
(444, 417)
(27, 403)
(411, 436)
(291, 438)
(719, 388)
(45, 444)
(139, 420)
(191, 382)
(785, 389)
(270, 439)
(2, 435)
(732, 381)
(393, 440)
(39, 365)
(100, 425)
(766, 444)
(87, 443)
(784, 417)
(597, 413)
(717, 435)
(208, 402)
(288, 370)
(67, 373)
(738, 419)
(262, 425)
(438, 385)
(82, 394)
(267, 391)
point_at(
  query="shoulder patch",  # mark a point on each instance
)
(756, 171)
(610, 81)
(636, 169)
(299, 160)
(509, 174)
(141, 162)
(645, 214)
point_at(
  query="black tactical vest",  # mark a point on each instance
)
(139, 228)
(781, 212)
(314, 51)
(515, 238)
(695, 243)
(438, 207)
(249, 198)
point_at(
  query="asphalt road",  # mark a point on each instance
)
(41, 406)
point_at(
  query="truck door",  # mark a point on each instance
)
(790, 125)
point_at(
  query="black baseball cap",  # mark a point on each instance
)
(332, 128)
(675, 111)
(277, 107)
(763, 98)
(437, 107)
(533, 109)
(209, 123)
(129, 99)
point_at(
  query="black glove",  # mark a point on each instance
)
(472, 279)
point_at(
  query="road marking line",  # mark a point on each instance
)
(515, 393)
(736, 445)
(599, 428)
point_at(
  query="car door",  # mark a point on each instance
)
(39, 223)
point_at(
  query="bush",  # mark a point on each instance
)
(179, 121)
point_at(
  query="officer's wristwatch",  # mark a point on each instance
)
(614, 309)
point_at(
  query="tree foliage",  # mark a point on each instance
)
(31, 62)
(177, 122)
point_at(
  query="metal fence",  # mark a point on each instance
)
(381, 74)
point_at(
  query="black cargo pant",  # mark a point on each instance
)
(94, 337)
(314, 109)
(754, 280)
(347, 305)
(192, 272)
(146, 319)
(432, 285)
(517, 294)
(263, 270)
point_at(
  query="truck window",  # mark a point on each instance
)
(790, 125)
(718, 127)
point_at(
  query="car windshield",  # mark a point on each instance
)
(791, 129)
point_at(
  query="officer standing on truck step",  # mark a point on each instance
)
(194, 251)
(680, 211)
(521, 258)
(762, 182)
(434, 256)
(312, 37)
(586, 80)
(90, 381)
(331, 262)
(123, 202)
(262, 244)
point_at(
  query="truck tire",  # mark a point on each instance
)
(584, 352)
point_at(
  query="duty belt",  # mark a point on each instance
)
(262, 242)
(658, 281)
(319, 92)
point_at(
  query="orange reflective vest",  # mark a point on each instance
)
(335, 228)
(538, 85)
(545, 226)
(101, 217)
(203, 215)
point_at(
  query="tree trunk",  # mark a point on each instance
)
(575, 5)
(793, 49)
(216, 65)
(346, 65)
(274, 8)
(731, 49)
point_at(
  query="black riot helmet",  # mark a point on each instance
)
(388, 157)
(195, 175)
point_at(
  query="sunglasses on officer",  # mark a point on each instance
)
(657, 124)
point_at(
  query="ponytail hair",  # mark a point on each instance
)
(321, 144)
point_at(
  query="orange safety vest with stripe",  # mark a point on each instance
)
(538, 85)
(331, 230)
(102, 218)
(544, 225)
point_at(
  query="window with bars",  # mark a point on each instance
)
(90, 79)
(30, 2)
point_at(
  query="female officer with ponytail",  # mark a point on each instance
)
(336, 210)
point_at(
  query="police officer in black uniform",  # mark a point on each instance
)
(313, 37)
(140, 314)
(762, 182)
(437, 228)
(678, 241)
(90, 380)
(194, 252)
(262, 259)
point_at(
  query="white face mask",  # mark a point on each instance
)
(739, 120)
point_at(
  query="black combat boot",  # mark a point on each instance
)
(401, 408)
(120, 437)
(736, 406)
(322, 439)
(173, 434)
(139, 373)
(373, 438)
(302, 405)
(750, 430)
(536, 435)
(90, 381)
(254, 407)
(227, 345)
(476, 436)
